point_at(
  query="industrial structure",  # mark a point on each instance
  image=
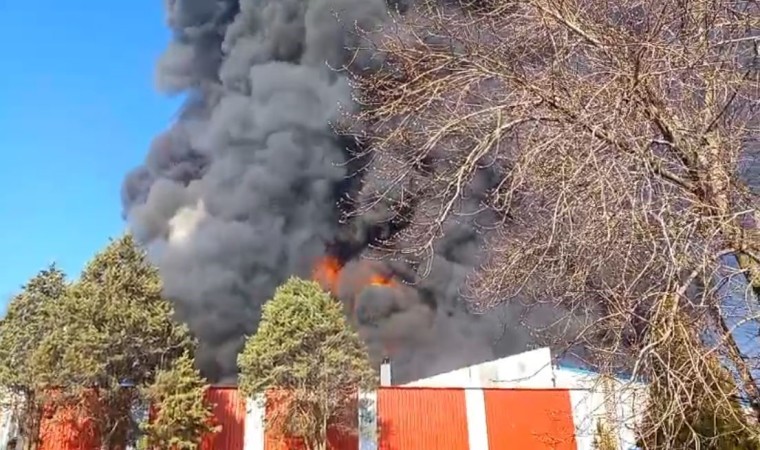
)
(522, 402)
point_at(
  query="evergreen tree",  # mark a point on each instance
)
(113, 330)
(180, 416)
(25, 325)
(308, 362)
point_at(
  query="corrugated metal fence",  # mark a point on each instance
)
(229, 412)
(422, 419)
(408, 418)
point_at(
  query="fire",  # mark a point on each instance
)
(381, 280)
(327, 273)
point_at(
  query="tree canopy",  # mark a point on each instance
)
(26, 323)
(681, 417)
(114, 326)
(308, 362)
(109, 333)
(181, 417)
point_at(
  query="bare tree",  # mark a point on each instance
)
(611, 133)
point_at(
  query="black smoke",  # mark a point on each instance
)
(252, 185)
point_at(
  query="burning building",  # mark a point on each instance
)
(521, 402)
(252, 185)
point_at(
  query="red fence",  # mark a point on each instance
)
(69, 428)
(229, 413)
(435, 418)
(529, 419)
(72, 429)
(408, 419)
(415, 419)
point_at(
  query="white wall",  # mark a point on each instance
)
(8, 425)
(587, 395)
(529, 369)
(254, 434)
(368, 431)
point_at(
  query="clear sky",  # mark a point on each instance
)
(78, 108)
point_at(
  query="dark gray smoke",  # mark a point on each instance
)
(249, 186)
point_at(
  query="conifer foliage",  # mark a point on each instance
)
(180, 415)
(99, 344)
(25, 325)
(308, 362)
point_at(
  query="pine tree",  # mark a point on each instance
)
(113, 329)
(180, 416)
(25, 325)
(308, 361)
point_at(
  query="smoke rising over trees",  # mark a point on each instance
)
(253, 185)
(564, 166)
(578, 171)
(240, 192)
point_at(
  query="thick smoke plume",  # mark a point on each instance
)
(252, 185)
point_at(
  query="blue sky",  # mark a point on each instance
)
(78, 108)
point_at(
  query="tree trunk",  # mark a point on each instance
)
(31, 417)
(320, 441)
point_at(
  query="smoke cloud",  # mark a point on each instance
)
(251, 184)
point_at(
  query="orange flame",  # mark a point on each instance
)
(381, 280)
(327, 273)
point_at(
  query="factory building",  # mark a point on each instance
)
(522, 402)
